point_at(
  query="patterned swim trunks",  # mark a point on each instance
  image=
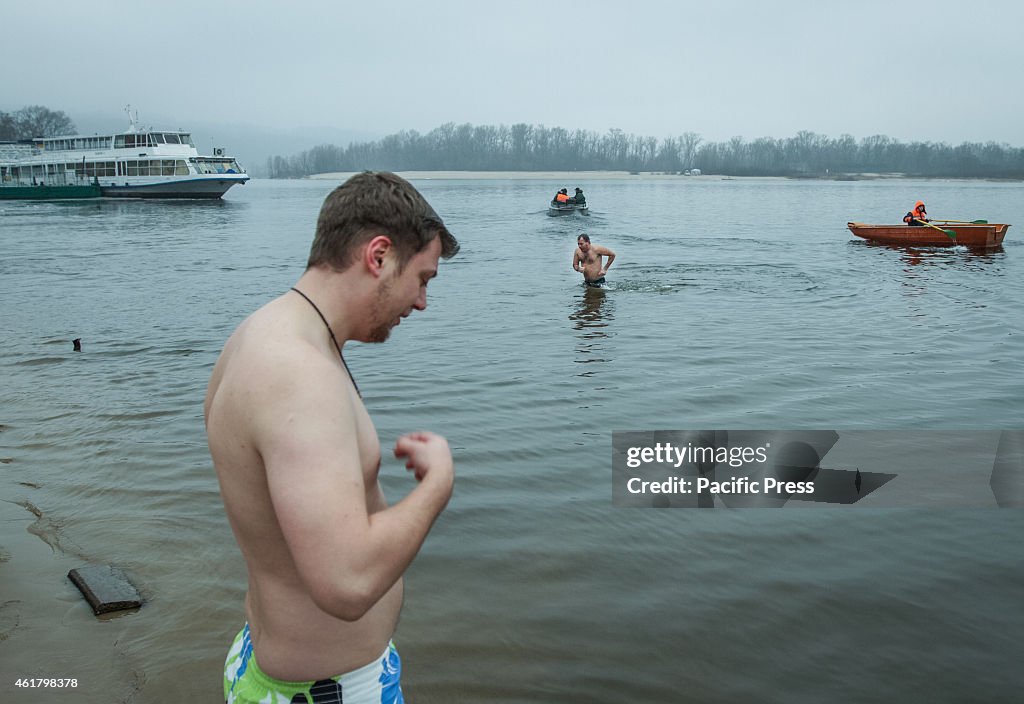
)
(375, 683)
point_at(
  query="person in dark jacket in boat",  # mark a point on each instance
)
(579, 198)
(918, 216)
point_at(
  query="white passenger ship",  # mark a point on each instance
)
(138, 163)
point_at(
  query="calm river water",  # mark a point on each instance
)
(737, 304)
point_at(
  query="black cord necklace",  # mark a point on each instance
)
(333, 339)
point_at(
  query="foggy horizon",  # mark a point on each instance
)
(914, 72)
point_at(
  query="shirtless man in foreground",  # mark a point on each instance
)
(587, 260)
(297, 457)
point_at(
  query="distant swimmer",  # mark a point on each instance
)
(587, 260)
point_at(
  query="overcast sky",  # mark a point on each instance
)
(939, 70)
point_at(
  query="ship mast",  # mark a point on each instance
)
(132, 121)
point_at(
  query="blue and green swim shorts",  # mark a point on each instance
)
(376, 683)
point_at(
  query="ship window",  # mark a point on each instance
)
(187, 139)
(133, 168)
(168, 167)
(172, 139)
(158, 138)
(119, 141)
(180, 168)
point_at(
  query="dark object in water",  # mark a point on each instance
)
(106, 588)
(77, 342)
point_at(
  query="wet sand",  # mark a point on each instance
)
(44, 620)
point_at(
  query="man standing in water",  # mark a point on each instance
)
(587, 260)
(297, 457)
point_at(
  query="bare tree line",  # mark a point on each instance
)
(34, 121)
(523, 147)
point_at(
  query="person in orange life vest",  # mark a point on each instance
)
(918, 216)
(562, 196)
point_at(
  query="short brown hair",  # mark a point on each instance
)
(376, 203)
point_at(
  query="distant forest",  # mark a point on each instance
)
(34, 121)
(522, 147)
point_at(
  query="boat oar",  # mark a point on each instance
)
(948, 233)
(963, 222)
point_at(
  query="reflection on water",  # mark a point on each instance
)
(591, 318)
(589, 313)
(964, 257)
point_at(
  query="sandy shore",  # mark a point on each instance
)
(26, 562)
(45, 623)
(566, 176)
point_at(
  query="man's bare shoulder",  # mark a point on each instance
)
(272, 356)
(601, 249)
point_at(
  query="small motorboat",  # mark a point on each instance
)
(556, 208)
(934, 234)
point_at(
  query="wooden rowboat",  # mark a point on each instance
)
(968, 235)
